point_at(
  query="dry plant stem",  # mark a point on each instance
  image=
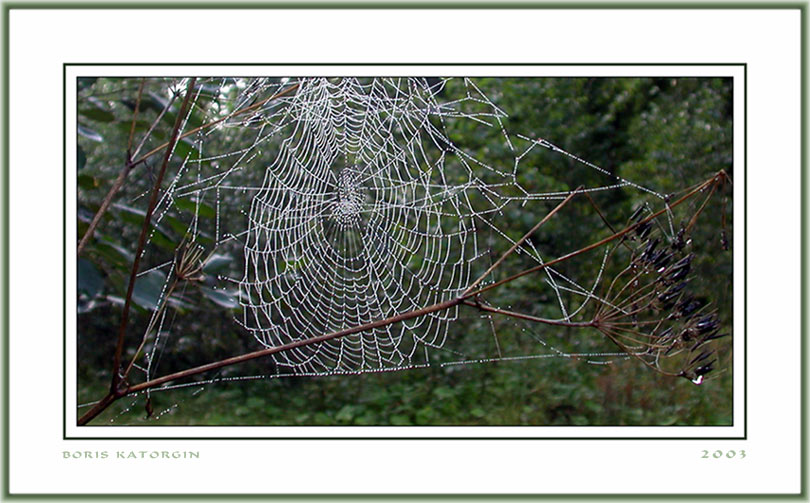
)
(105, 204)
(159, 118)
(119, 181)
(116, 378)
(599, 212)
(464, 299)
(214, 123)
(597, 244)
(528, 317)
(521, 241)
(118, 393)
(700, 210)
(135, 119)
(149, 328)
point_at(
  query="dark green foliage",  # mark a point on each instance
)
(667, 134)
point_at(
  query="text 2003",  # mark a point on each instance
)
(719, 454)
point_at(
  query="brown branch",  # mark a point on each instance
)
(157, 120)
(702, 206)
(149, 328)
(119, 181)
(213, 123)
(597, 244)
(528, 317)
(98, 408)
(116, 377)
(521, 241)
(105, 204)
(135, 118)
(116, 393)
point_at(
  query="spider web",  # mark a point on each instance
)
(352, 200)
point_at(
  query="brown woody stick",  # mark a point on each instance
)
(597, 244)
(122, 329)
(119, 182)
(461, 300)
(521, 241)
(213, 123)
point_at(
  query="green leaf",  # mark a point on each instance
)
(163, 240)
(135, 216)
(186, 151)
(89, 281)
(425, 416)
(130, 214)
(87, 182)
(157, 102)
(81, 158)
(145, 105)
(217, 263)
(125, 126)
(400, 420)
(256, 402)
(97, 114)
(222, 298)
(148, 289)
(444, 393)
(84, 82)
(345, 414)
(115, 253)
(180, 305)
(186, 204)
(130, 104)
(176, 224)
(89, 133)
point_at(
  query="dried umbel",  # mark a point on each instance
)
(188, 262)
(650, 311)
(365, 167)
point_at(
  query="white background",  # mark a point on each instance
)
(768, 41)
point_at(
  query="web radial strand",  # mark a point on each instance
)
(356, 222)
(369, 210)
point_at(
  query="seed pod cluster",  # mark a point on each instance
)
(653, 313)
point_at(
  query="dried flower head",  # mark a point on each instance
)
(649, 311)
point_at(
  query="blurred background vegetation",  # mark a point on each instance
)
(664, 133)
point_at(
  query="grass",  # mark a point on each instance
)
(555, 392)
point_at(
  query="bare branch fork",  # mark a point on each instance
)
(117, 376)
(469, 298)
(130, 163)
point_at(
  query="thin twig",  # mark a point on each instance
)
(213, 123)
(522, 316)
(116, 378)
(122, 175)
(135, 118)
(116, 393)
(520, 241)
(149, 328)
(119, 182)
(596, 244)
(266, 352)
(105, 204)
(159, 118)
